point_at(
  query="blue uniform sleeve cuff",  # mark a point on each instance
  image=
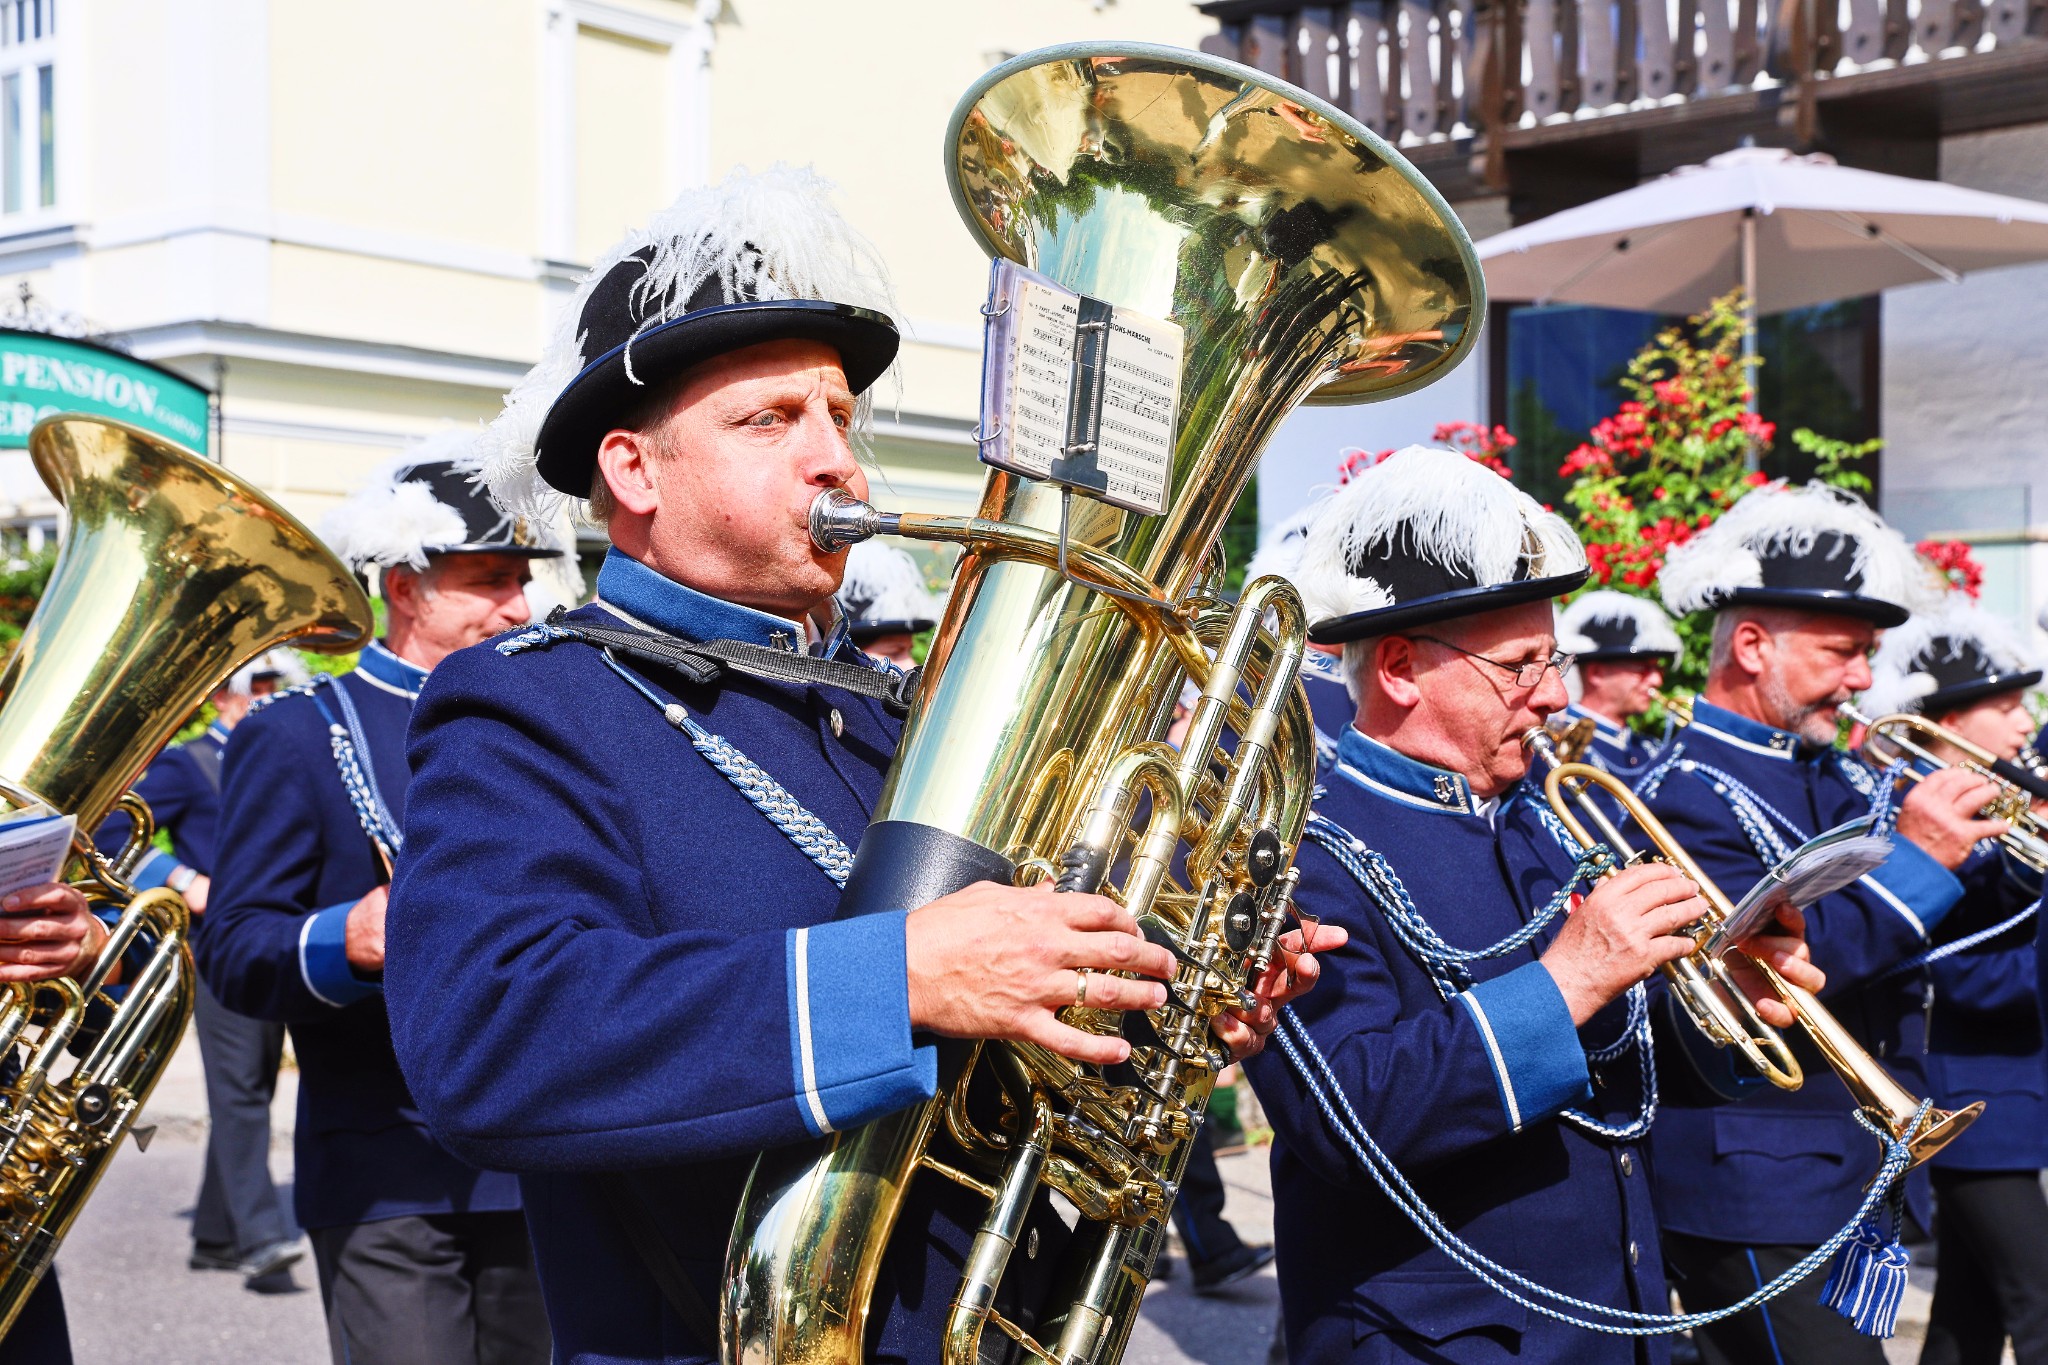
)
(1915, 885)
(323, 959)
(156, 869)
(1539, 1065)
(851, 1049)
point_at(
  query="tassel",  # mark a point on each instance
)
(1868, 1281)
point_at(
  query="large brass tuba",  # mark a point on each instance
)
(1305, 261)
(171, 573)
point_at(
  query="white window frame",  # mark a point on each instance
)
(689, 44)
(26, 60)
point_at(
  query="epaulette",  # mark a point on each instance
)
(304, 689)
(1859, 775)
(538, 636)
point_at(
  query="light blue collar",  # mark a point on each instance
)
(386, 670)
(639, 593)
(1752, 736)
(1609, 731)
(217, 732)
(1397, 777)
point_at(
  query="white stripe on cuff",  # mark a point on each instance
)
(803, 1029)
(1919, 927)
(305, 975)
(1500, 1065)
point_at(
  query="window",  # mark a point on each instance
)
(28, 106)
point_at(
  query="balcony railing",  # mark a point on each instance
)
(1422, 71)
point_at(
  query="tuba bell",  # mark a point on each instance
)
(1304, 260)
(171, 573)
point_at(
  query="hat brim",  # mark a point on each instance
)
(1821, 602)
(1445, 606)
(480, 548)
(1622, 656)
(1976, 690)
(597, 400)
(864, 631)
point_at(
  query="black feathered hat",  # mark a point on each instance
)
(884, 593)
(1608, 626)
(426, 501)
(1425, 536)
(1947, 658)
(754, 259)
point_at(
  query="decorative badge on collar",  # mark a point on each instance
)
(1445, 790)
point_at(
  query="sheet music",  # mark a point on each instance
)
(1028, 393)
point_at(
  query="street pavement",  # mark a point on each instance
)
(133, 1302)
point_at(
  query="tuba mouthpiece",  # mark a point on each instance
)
(839, 519)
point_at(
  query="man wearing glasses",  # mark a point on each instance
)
(1485, 1025)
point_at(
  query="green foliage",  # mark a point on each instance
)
(22, 581)
(1676, 455)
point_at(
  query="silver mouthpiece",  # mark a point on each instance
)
(839, 519)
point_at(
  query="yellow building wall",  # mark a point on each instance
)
(418, 117)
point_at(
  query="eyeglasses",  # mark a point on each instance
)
(1526, 675)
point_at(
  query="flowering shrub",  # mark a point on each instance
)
(1484, 444)
(1674, 456)
(1956, 565)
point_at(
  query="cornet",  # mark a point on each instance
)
(1705, 986)
(1890, 738)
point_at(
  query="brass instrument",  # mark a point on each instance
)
(1905, 735)
(1676, 705)
(171, 573)
(1710, 996)
(1305, 260)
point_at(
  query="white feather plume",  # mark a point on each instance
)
(1279, 553)
(773, 235)
(387, 522)
(883, 583)
(1899, 670)
(1654, 632)
(1775, 518)
(1460, 514)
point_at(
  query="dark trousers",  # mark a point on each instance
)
(1198, 1213)
(1991, 1228)
(435, 1289)
(1792, 1329)
(40, 1335)
(239, 1209)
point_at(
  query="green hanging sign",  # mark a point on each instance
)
(41, 375)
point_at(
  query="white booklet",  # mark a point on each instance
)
(1819, 867)
(1076, 392)
(34, 843)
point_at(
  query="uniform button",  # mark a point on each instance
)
(1635, 1253)
(1628, 1164)
(1031, 1245)
(838, 723)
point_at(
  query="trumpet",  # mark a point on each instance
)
(1706, 988)
(1900, 735)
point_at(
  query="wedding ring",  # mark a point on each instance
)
(1081, 990)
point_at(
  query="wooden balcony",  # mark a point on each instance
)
(1555, 102)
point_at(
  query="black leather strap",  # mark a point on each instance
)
(703, 661)
(658, 1258)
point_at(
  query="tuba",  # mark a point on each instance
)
(171, 573)
(1304, 261)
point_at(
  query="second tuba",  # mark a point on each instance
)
(1304, 260)
(171, 573)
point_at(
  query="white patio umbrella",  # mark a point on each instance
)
(1792, 230)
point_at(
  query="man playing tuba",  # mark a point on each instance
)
(1512, 1083)
(613, 962)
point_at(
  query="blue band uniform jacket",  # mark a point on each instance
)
(1782, 1167)
(1464, 1096)
(1615, 747)
(603, 959)
(293, 858)
(1984, 1036)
